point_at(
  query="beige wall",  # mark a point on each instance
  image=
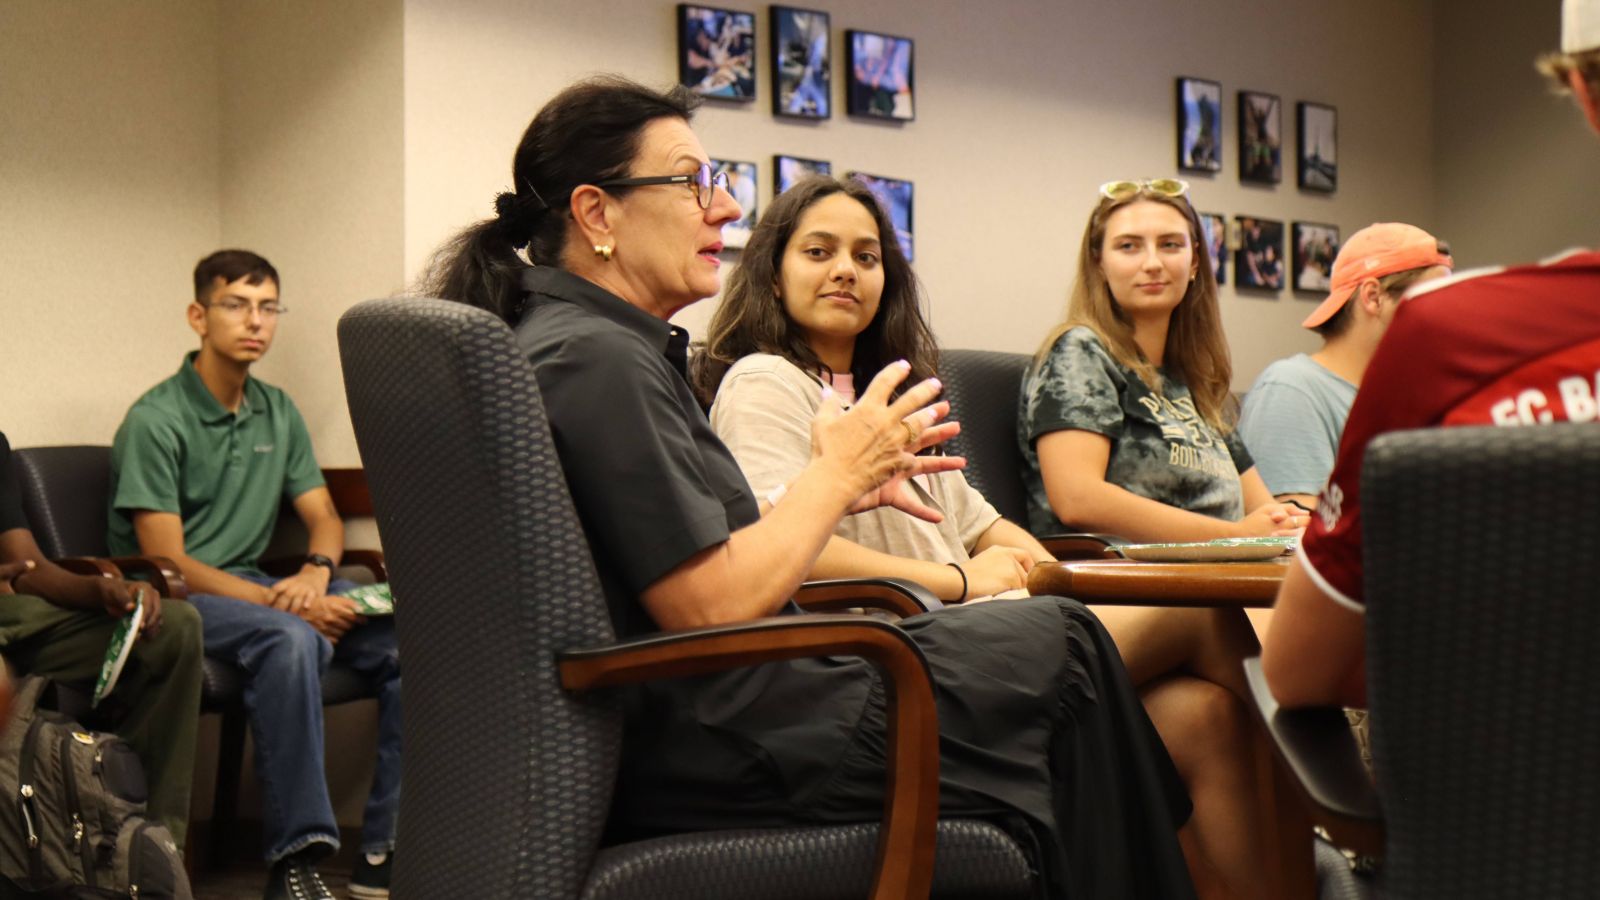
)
(1023, 108)
(312, 142)
(1515, 164)
(109, 167)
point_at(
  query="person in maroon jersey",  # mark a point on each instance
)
(1510, 346)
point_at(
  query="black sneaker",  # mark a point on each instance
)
(370, 880)
(295, 878)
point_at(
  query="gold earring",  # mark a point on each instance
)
(603, 251)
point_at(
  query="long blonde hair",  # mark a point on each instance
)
(1196, 351)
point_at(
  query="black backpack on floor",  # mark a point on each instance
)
(72, 811)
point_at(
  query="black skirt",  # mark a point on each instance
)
(1038, 723)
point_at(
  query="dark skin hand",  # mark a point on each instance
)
(24, 570)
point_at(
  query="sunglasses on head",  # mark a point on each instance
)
(1122, 190)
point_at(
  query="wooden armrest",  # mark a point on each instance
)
(1128, 582)
(371, 560)
(1081, 545)
(1316, 745)
(89, 565)
(901, 597)
(162, 573)
(911, 798)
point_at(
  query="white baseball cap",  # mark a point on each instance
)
(1580, 26)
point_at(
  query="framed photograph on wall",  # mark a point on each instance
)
(742, 185)
(881, 79)
(1317, 137)
(1216, 232)
(717, 52)
(895, 195)
(1260, 138)
(786, 170)
(1315, 246)
(1199, 125)
(802, 57)
(1258, 263)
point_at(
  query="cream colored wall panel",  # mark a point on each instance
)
(312, 150)
(109, 162)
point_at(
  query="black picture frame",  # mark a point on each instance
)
(802, 85)
(786, 170)
(742, 185)
(1214, 227)
(717, 52)
(1315, 246)
(880, 78)
(1316, 146)
(1258, 262)
(1199, 124)
(1260, 137)
(897, 196)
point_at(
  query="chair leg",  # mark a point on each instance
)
(225, 801)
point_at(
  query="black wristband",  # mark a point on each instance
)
(963, 573)
(317, 559)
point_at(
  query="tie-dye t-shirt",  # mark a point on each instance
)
(1160, 446)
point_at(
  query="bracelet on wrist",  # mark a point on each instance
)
(963, 573)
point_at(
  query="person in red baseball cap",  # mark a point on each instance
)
(1513, 346)
(1295, 411)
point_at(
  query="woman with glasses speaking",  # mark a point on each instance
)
(616, 210)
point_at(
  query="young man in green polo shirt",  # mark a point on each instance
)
(199, 469)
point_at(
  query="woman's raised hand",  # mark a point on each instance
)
(871, 448)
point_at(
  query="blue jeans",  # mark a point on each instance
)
(283, 659)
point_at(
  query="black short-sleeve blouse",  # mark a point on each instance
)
(652, 483)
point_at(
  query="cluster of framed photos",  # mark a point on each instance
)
(896, 194)
(1200, 131)
(717, 59)
(1258, 259)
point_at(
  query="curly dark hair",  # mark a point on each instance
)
(752, 319)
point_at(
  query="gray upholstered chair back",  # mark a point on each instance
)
(507, 777)
(64, 492)
(1482, 564)
(983, 387)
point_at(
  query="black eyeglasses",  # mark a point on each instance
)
(702, 182)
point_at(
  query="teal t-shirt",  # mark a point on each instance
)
(1292, 420)
(1161, 448)
(225, 474)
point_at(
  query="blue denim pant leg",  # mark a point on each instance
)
(283, 659)
(373, 650)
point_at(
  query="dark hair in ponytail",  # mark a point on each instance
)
(587, 134)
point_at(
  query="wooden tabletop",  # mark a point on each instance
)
(1126, 581)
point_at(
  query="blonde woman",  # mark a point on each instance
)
(1125, 422)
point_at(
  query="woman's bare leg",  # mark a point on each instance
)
(1212, 743)
(1209, 643)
